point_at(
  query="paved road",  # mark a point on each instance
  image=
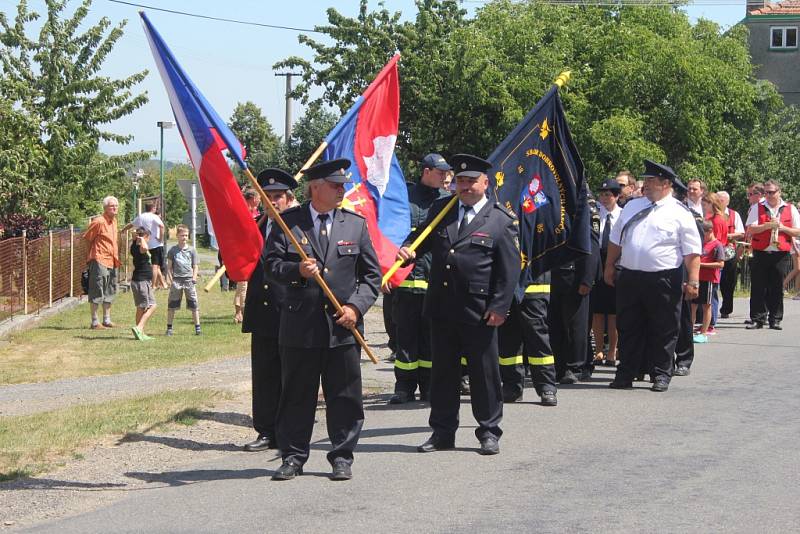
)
(718, 452)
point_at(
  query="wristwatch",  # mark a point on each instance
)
(693, 283)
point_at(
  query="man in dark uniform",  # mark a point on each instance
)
(412, 367)
(475, 267)
(569, 312)
(315, 341)
(261, 319)
(654, 236)
(523, 336)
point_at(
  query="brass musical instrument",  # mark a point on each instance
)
(773, 241)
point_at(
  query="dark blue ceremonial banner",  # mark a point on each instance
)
(538, 174)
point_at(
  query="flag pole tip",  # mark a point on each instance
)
(563, 78)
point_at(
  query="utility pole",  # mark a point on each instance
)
(287, 129)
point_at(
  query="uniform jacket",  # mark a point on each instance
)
(584, 270)
(350, 268)
(420, 198)
(472, 271)
(261, 305)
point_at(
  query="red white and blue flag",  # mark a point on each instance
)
(366, 135)
(206, 135)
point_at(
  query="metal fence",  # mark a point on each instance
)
(36, 273)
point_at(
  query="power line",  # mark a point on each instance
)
(221, 19)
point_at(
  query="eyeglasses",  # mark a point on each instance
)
(774, 191)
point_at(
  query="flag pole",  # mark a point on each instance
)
(276, 217)
(322, 146)
(560, 81)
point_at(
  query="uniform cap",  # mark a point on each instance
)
(331, 171)
(435, 161)
(610, 185)
(274, 179)
(469, 165)
(656, 170)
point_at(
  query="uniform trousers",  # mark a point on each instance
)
(340, 369)
(524, 338)
(412, 366)
(265, 362)
(766, 285)
(684, 346)
(648, 318)
(727, 285)
(388, 320)
(478, 343)
(569, 331)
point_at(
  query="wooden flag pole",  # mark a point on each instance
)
(276, 217)
(322, 146)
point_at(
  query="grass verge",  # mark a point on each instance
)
(33, 444)
(63, 346)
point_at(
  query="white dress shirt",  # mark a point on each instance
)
(472, 212)
(603, 212)
(752, 217)
(328, 224)
(658, 241)
(698, 207)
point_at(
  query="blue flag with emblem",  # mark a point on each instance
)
(538, 174)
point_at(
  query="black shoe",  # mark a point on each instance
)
(549, 398)
(585, 376)
(661, 384)
(489, 446)
(568, 378)
(401, 397)
(435, 443)
(288, 470)
(776, 326)
(261, 443)
(424, 394)
(512, 396)
(465, 385)
(724, 315)
(341, 470)
(755, 325)
(748, 321)
(621, 384)
(681, 371)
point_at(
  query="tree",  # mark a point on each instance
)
(646, 82)
(253, 130)
(53, 82)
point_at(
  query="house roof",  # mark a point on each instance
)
(787, 7)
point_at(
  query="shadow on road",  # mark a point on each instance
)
(179, 443)
(52, 484)
(183, 478)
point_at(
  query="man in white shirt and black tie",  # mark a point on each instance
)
(655, 234)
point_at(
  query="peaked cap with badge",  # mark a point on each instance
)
(469, 165)
(334, 171)
(435, 161)
(610, 185)
(274, 179)
(657, 170)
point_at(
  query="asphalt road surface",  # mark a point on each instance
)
(717, 452)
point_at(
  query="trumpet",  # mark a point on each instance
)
(773, 241)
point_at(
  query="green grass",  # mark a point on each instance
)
(63, 346)
(33, 444)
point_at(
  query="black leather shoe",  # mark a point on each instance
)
(681, 371)
(660, 385)
(341, 471)
(724, 315)
(465, 385)
(435, 443)
(489, 446)
(776, 326)
(568, 378)
(261, 443)
(621, 384)
(585, 376)
(549, 398)
(512, 396)
(755, 326)
(401, 397)
(288, 470)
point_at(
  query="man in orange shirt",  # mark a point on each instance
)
(103, 260)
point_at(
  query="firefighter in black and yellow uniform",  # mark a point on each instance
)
(412, 365)
(524, 339)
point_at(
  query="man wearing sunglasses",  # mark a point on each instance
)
(773, 225)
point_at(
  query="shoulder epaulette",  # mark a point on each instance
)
(505, 210)
(348, 210)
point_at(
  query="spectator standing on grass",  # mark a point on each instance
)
(727, 283)
(102, 261)
(182, 266)
(142, 282)
(711, 263)
(155, 243)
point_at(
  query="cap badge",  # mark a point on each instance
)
(463, 166)
(272, 181)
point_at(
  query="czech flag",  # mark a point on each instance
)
(205, 136)
(366, 135)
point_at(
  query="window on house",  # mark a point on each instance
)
(783, 37)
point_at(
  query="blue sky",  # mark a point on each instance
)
(232, 63)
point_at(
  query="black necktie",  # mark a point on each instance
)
(323, 232)
(637, 217)
(606, 233)
(464, 223)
